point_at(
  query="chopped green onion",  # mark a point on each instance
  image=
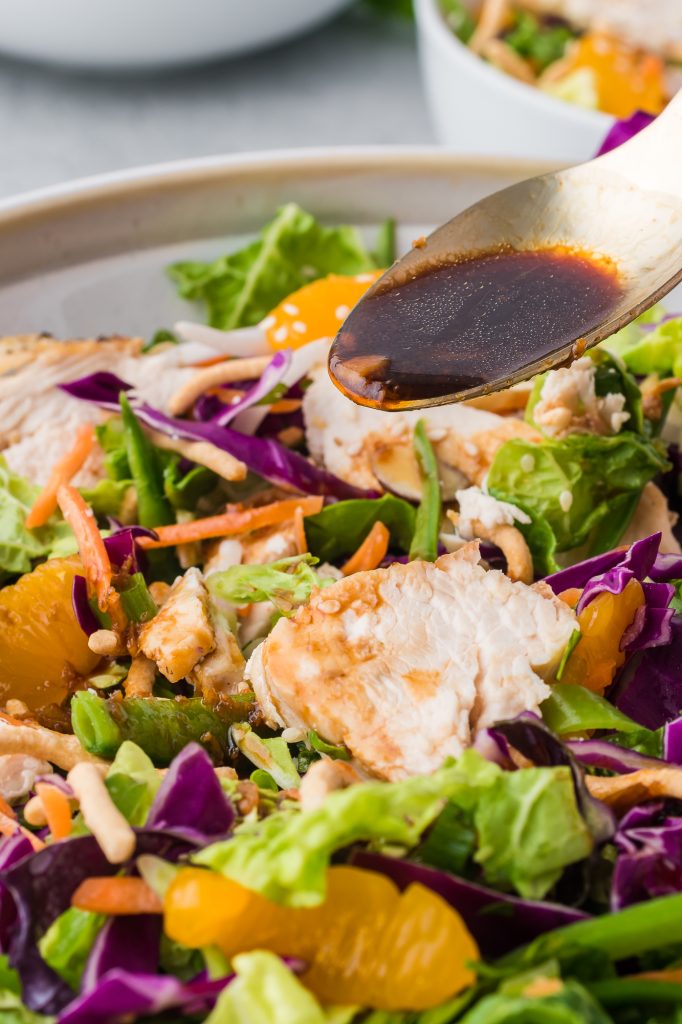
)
(425, 540)
(138, 604)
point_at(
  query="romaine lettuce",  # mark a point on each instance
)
(19, 547)
(240, 289)
(248, 584)
(586, 487)
(653, 351)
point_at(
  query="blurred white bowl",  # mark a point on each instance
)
(146, 35)
(478, 109)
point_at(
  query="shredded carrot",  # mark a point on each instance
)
(235, 520)
(570, 596)
(299, 531)
(57, 810)
(672, 974)
(62, 473)
(371, 552)
(286, 405)
(9, 826)
(6, 809)
(81, 519)
(117, 896)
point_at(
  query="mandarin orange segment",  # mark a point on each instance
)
(40, 639)
(597, 657)
(626, 79)
(366, 944)
(316, 310)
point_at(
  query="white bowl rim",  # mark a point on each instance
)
(112, 185)
(431, 17)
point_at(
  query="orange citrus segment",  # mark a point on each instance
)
(626, 79)
(316, 310)
(40, 638)
(595, 660)
(367, 944)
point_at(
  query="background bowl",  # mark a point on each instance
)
(150, 34)
(478, 109)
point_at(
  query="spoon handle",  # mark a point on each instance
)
(652, 159)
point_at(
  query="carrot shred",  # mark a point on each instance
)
(235, 520)
(62, 473)
(117, 896)
(57, 810)
(6, 809)
(81, 519)
(371, 552)
(9, 826)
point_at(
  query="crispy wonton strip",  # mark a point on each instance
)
(37, 741)
(203, 453)
(114, 835)
(226, 372)
(624, 791)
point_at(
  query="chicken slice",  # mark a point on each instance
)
(344, 437)
(222, 670)
(182, 632)
(403, 665)
(38, 421)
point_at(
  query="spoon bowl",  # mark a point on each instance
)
(621, 212)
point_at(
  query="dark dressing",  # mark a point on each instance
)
(469, 323)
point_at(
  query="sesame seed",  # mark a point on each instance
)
(269, 322)
(470, 448)
(437, 435)
(565, 500)
(364, 278)
(527, 463)
(299, 327)
(290, 309)
(281, 334)
(342, 312)
(329, 606)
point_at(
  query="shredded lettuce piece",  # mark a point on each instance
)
(527, 823)
(654, 351)
(133, 782)
(239, 290)
(265, 991)
(287, 583)
(270, 755)
(67, 943)
(19, 547)
(586, 487)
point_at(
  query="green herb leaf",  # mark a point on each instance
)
(241, 289)
(339, 529)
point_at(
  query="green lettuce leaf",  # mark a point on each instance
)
(20, 547)
(265, 991)
(604, 477)
(13, 1011)
(133, 782)
(643, 352)
(240, 289)
(287, 583)
(573, 709)
(285, 856)
(66, 944)
(527, 824)
(110, 498)
(572, 1004)
(269, 755)
(529, 828)
(541, 44)
(340, 529)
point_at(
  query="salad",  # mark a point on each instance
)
(617, 57)
(314, 713)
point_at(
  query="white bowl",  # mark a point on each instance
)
(150, 34)
(478, 109)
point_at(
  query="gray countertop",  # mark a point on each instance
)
(355, 81)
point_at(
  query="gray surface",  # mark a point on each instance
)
(354, 81)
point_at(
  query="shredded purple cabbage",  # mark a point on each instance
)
(86, 618)
(672, 741)
(498, 922)
(623, 131)
(610, 756)
(263, 456)
(121, 993)
(13, 849)
(611, 573)
(129, 943)
(190, 801)
(649, 689)
(270, 378)
(122, 548)
(650, 856)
